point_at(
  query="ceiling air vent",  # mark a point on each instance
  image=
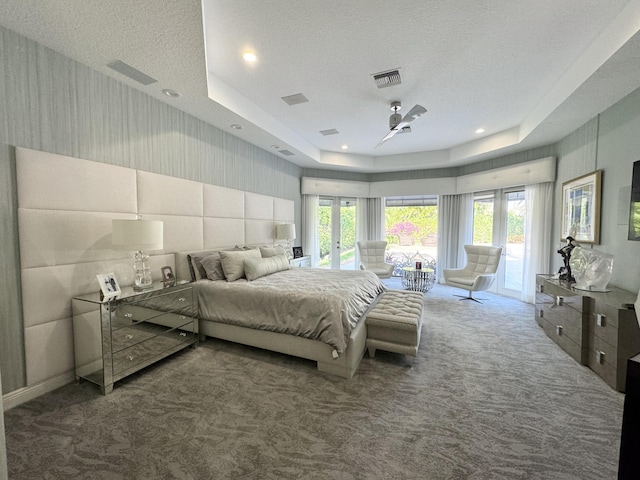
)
(331, 131)
(295, 99)
(387, 79)
(286, 152)
(133, 73)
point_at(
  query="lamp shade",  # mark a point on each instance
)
(137, 234)
(286, 231)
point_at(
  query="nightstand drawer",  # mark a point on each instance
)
(148, 350)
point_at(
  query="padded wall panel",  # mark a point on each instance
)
(258, 207)
(223, 202)
(223, 232)
(46, 291)
(56, 237)
(57, 182)
(48, 350)
(164, 195)
(283, 210)
(180, 232)
(259, 232)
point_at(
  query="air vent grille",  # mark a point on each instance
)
(286, 152)
(387, 79)
(331, 131)
(132, 73)
(295, 99)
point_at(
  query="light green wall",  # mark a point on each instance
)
(52, 103)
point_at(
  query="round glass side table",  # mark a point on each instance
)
(419, 280)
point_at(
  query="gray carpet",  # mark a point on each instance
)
(489, 397)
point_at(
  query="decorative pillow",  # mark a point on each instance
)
(213, 266)
(272, 251)
(232, 262)
(259, 267)
(195, 263)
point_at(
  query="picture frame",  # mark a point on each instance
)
(168, 279)
(109, 287)
(581, 208)
(297, 252)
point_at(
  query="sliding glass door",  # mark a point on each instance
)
(337, 233)
(499, 219)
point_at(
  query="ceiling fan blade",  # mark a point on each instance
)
(388, 136)
(414, 113)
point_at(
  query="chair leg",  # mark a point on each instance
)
(470, 297)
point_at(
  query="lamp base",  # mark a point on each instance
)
(143, 280)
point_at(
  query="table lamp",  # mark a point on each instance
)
(138, 235)
(287, 232)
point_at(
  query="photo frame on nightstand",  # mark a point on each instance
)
(168, 279)
(109, 287)
(297, 252)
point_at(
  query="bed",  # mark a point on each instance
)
(315, 314)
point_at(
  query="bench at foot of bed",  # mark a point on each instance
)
(395, 322)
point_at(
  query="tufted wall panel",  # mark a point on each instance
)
(65, 208)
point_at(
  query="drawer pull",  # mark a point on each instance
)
(601, 320)
(540, 288)
(128, 315)
(182, 317)
(128, 336)
(599, 357)
(183, 334)
(559, 301)
(181, 299)
(541, 313)
(130, 357)
(559, 329)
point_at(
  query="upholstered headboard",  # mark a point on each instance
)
(65, 208)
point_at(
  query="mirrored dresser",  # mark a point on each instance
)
(117, 337)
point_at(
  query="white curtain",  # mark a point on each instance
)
(310, 205)
(537, 233)
(455, 229)
(369, 221)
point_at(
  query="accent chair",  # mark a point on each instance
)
(479, 272)
(372, 254)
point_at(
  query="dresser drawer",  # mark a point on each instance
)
(575, 350)
(140, 332)
(567, 319)
(148, 350)
(602, 359)
(603, 327)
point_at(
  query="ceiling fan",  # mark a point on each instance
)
(400, 124)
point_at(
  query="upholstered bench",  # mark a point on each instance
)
(395, 322)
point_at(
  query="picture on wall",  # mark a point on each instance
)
(581, 208)
(634, 208)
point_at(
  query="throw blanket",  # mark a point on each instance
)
(313, 303)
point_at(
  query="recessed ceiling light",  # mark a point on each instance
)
(249, 56)
(480, 130)
(344, 147)
(171, 93)
(236, 126)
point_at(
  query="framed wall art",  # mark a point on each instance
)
(581, 208)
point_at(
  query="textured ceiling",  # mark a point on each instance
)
(528, 72)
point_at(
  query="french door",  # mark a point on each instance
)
(499, 219)
(337, 232)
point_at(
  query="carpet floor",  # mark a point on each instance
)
(489, 396)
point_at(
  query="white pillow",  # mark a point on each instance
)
(272, 251)
(232, 262)
(259, 267)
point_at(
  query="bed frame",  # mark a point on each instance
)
(344, 366)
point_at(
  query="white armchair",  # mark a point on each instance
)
(372, 258)
(479, 272)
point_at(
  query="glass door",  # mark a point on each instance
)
(337, 233)
(498, 219)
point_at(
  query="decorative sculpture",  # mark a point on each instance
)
(565, 271)
(592, 269)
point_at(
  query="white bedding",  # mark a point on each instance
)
(313, 303)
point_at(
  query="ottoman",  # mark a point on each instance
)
(395, 322)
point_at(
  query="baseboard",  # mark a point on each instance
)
(22, 395)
